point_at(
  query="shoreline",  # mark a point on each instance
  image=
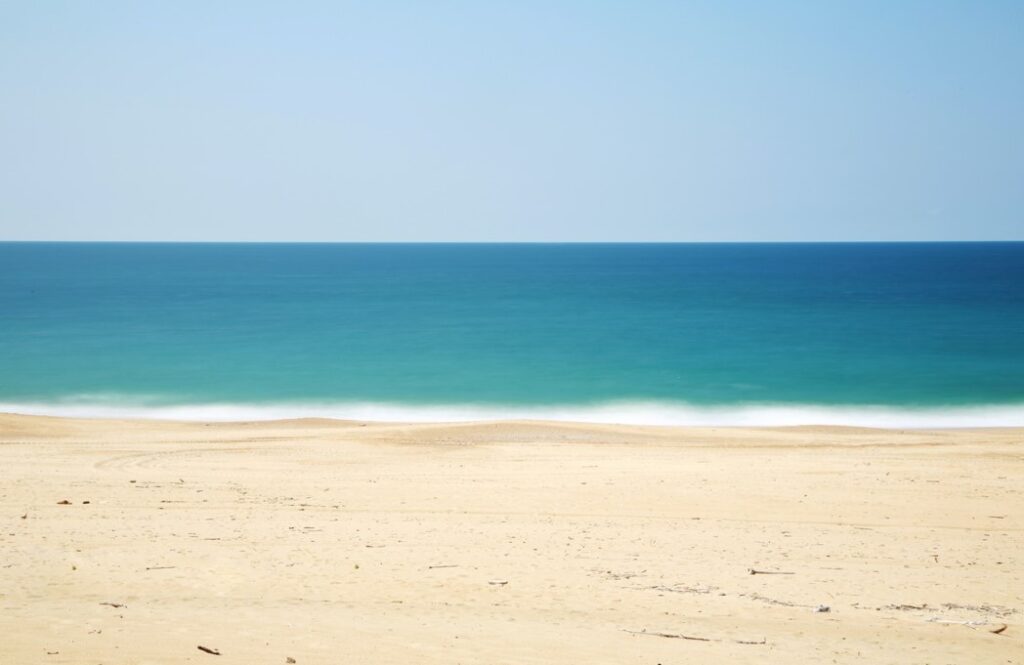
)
(507, 542)
(7, 418)
(632, 413)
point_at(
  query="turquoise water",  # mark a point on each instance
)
(634, 333)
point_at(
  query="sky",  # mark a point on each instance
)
(512, 121)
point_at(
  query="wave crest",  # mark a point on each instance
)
(626, 413)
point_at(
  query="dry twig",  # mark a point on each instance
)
(673, 636)
(693, 638)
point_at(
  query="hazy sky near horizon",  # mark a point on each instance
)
(517, 121)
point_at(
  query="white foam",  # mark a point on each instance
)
(628, 413)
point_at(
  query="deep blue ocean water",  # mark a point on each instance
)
(628, 332)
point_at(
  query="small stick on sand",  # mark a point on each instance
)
(694, 638)
(768, 572)
(673, 636)
(973, 625)
(208, 650)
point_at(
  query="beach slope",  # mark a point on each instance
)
(514, 542)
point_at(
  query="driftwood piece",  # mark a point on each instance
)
(753, 571)
(208, 650)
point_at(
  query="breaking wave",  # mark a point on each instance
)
(627, 413)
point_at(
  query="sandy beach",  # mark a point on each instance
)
(343, 542)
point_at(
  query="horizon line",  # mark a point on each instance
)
(510, 242)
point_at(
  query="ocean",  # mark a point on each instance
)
(888, 334)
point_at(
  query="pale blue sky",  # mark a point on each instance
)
(519, 121)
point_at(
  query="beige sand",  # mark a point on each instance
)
(334, 542)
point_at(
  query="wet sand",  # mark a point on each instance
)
(519, 542)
